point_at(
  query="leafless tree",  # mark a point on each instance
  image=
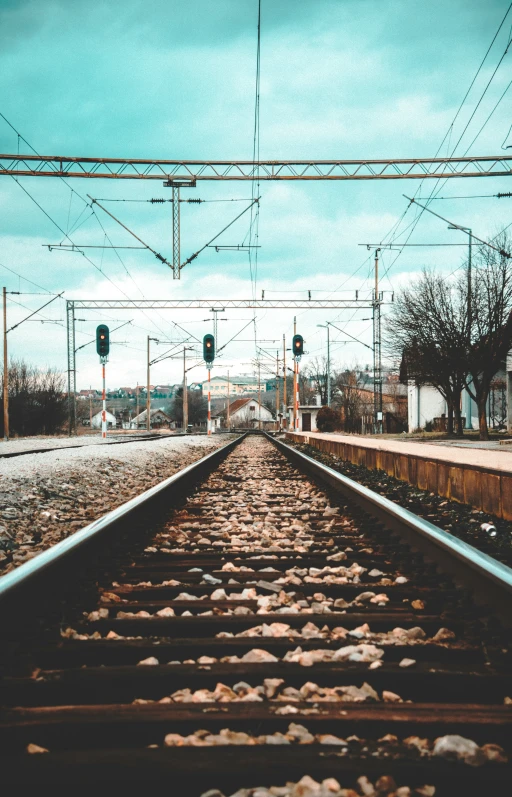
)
(316, 370)
(490, 325)
(37, 402)
(428, 328)
(350, 399)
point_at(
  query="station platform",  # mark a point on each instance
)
(476, 476)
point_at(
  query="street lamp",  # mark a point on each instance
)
(467, 230)
(326, 326)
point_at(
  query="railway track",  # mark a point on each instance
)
(256, 619)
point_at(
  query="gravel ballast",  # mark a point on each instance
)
(45, 497)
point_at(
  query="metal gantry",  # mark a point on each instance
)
(337, 169)
(214, 305)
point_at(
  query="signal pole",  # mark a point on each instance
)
(209, 419)
(185, 394)
(148, 396)
(104, 405)
(295, 386)
(285, 414)
(6, 371)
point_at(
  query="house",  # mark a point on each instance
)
(236, 385)
(96, 420)
(426, 405)
(244, 413)
(157, 420)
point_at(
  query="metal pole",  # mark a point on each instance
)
(209, 421)
(70, 324)
(328, 367)
(148, 395)
(6, 372)
(90, 406)
(137, 406)
(227, 410)
(104, 405)
(185, 394)
(469, 424)
(277, 392)
(294, 379)
(259, 395)
(285, 413)
(297, 395)
(377, 361)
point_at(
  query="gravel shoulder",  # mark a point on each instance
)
(46, 497)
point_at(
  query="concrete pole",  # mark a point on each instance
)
(137, 406)
(277, 392)
(259, 395)
(285, 414)
(148, 395)
(90, 406)
(328, 367)
(185, 393)
(228, 422)
(6, 372)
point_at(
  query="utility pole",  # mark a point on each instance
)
(90, 406)
(259, 395)
(295, 381)
(326, 326)
(137, 406)
(228, 421)
(285, 414)
(6, 371)
(148, 395)
(277, 392)
(185, 393)
(469, 231)
(377, 359)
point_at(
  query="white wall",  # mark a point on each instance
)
(423, 404)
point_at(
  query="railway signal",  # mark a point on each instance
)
(103, 348)
(102, 341)
(298, 346)
(209, 356)
(208, 349)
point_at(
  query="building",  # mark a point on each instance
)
(244, 413)
(427, 407)
(96, 420)
(157, 420)
(237, 386)
(307, 417)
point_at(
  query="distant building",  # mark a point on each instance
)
(157, 420)
(237, 385)
(96, 420)
(244, 413)
(307, 417)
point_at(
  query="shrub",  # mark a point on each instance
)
(327, 420)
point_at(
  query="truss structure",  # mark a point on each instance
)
(231, 304)
(189, 304)
(178, 170)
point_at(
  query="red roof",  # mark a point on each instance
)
(235, 405)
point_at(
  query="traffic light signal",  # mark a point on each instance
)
(298, 346)
(102, 340)
(208, 349)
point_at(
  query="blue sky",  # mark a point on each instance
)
(339, 79)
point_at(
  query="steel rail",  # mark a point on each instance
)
(489, 580)
(48, 562)
(193, 170)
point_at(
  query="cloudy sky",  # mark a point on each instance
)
(169, 79)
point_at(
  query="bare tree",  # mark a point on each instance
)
(316, 370)
(428, 328)
(350, 399)
(490, 322)
(37, 402)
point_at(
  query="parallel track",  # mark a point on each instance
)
(251, 499)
